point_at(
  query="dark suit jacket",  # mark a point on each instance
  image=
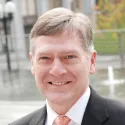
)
(99, 111)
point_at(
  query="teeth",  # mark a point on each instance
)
(59, 83)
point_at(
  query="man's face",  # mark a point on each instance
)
(61, 67)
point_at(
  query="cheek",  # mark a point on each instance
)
(39, 73)
(81, 69)
(39, 77)
(81, 73)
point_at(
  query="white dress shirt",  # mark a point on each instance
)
(75, 113)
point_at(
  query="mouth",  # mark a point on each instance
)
(59, 83)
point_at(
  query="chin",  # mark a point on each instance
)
(58, 98)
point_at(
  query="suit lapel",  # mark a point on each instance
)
(40, 118)
(96, 112)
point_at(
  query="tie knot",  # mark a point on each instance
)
(61, 120)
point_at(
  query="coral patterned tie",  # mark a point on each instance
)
(61, 120)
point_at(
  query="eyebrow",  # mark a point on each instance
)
(42, 53)
(65, 51)
(71, 51)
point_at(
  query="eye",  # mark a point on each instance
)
(44, 58)
(70, 56)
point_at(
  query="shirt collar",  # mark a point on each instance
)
(51, 115)
(75, 113)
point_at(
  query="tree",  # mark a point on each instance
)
(111, 14)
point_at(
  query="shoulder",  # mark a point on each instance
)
(115, 105)
(113, 110)
(116, 110)
(110, 104)
(27, 119)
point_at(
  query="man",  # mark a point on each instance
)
(62, 57)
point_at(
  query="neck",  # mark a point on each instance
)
(62, 109)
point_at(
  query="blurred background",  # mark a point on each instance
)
(18, 93)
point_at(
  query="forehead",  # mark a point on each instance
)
(59, 42)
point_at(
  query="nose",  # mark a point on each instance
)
(57, 68)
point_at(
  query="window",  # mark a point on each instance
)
(28, 7)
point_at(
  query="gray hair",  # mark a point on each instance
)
(59, 20)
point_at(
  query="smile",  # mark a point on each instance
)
(59, 83)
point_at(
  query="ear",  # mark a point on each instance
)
(93, 62)
(32, 63)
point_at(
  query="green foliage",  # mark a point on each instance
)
(112, 14)
(107, 43)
